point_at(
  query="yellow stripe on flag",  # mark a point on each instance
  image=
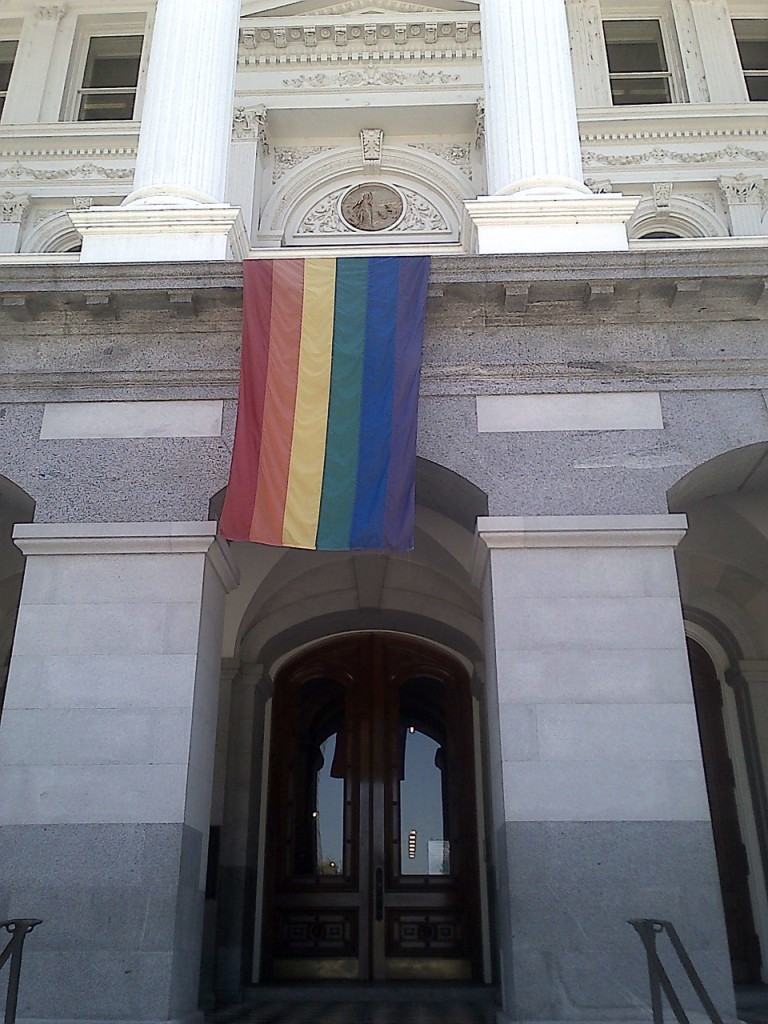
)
(305, 476)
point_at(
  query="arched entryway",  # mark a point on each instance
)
(723, 571)
(373, 861)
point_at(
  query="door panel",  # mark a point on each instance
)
(373, 870)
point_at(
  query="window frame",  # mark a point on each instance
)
(10, 38)
(749, 73)
(136, 23)
(10, 32)
(664, 15)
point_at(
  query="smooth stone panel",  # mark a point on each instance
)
(571, 889)
(620, 789)
(119, 905)
(600, 411)
(62, 420)
(563, 674)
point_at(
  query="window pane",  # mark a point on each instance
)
(105, 106)
(424, 846)
(112, 62)
(7, 55)
(752, 40)
(329, 813)
(634, 46)
(757, 87)
(640, 90)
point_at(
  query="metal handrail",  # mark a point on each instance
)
(648, 929)
(19, 928)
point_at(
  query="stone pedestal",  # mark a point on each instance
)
(176, 210)
(599, 803)
(106, 763)
(533, 151)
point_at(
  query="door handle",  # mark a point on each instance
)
(379, 893)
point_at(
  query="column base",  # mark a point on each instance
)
(535, 224)
(161, 233)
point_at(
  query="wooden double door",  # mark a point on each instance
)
(372, 828)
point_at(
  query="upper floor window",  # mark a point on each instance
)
(637, 62)
(110, 79)
(752, 41)
(7, 57)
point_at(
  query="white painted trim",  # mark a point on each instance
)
(639, 410)
(64, 420)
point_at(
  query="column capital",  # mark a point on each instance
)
(743, 190)
(13, 207)
(51, 12)
(129, 539)
(623, 531)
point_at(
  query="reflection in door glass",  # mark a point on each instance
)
(424, 847)
(329, 813)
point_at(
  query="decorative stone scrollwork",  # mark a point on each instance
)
(600, 186)
(480, 123)
(457, 154)
(421, 217)
(367, 78)
(372, 143)
(18, 172)
(662, 194)
(288, 157)
(661, 155)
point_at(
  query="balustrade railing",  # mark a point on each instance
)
(19, 928)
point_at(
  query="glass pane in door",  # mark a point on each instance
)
(424, 847)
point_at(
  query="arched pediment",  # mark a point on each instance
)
(306, 207)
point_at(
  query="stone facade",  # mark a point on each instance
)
(593, 427)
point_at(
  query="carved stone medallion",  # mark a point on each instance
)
(372, 207)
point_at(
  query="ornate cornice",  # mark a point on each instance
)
(257, 43)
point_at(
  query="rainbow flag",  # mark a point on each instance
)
(325, 443)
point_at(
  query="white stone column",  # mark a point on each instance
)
(599, 801)
(177, 205)
(719, 53)
(106, 763)
(538, 200)
(27, 87)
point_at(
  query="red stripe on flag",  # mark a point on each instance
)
(237, 514)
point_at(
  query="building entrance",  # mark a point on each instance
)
(372, 820)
